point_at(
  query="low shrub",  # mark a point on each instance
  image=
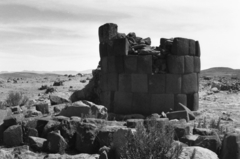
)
(153, 141)
(16, 98)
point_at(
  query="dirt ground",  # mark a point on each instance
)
(211, 105)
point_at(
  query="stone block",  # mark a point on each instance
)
(180, 98)
(157, 83)
(144, 64)
(181, 114)
(231, 146)
(123, 103)
(140, 103)
(112, 81)
(189, 83)
(198, 50)
(162, 103)
(103, 50)
(120, 47)
(192, 49)
(189, 64)
(115, 64)
(104, 82)
(13, 136)
(193, 101)
(173, 83)
(130, 64)
(175, 64)
(107, 31)
(107, 100)
(180, 46)
(212, 143)
(139, 83)
(132, 123)
(104, 64)
(197, 64)
(124, 83)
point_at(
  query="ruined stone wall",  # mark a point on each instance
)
(147, 80)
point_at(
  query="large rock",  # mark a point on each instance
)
(43, 106)
(59, 98)
(231, 147)
(200, 153)
(84, 108)
(212, 143)
(86, 134)
(13, 136)
(13, 120)
(36, 143)
(50, 126)
(56, 143)
(119, 139)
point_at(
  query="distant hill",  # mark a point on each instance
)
(25, 75)
(220, 71)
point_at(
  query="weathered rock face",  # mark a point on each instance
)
(231, 147)
(13, 136)
(56, 143)
(86, 134)
(59, 98)
(83, 109)
(36, 143)
(200, 153)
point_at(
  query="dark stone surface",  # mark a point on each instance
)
(123, 103)
(197, 64)
(162, 103)
(107, 31)
(139, 83)
(104, 64)
(193, 101)
(175, 64)
(115, 64)
(120, 47)
(144, 64)
(189, 83)
(157, 83)
(130, 64)
(192, 48)
(112, 82)
(180, 46)
(13, 136)
(181, 114)
(180, 98)
(198, 50)
(124, 83)
(86, 134)
(173, 83)
(140, 103)
(189, 64)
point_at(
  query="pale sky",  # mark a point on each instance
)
(59, 35)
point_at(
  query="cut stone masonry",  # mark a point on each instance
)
(138, 78)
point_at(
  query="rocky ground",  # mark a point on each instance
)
(219, 98)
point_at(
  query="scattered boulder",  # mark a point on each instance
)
(84, 108)
(86, 134)
(230, 146)
(13, 136)
(58, 83)
(56, 143)
(59, 98)
(43, 106)
(200, 153)
(36, 143)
